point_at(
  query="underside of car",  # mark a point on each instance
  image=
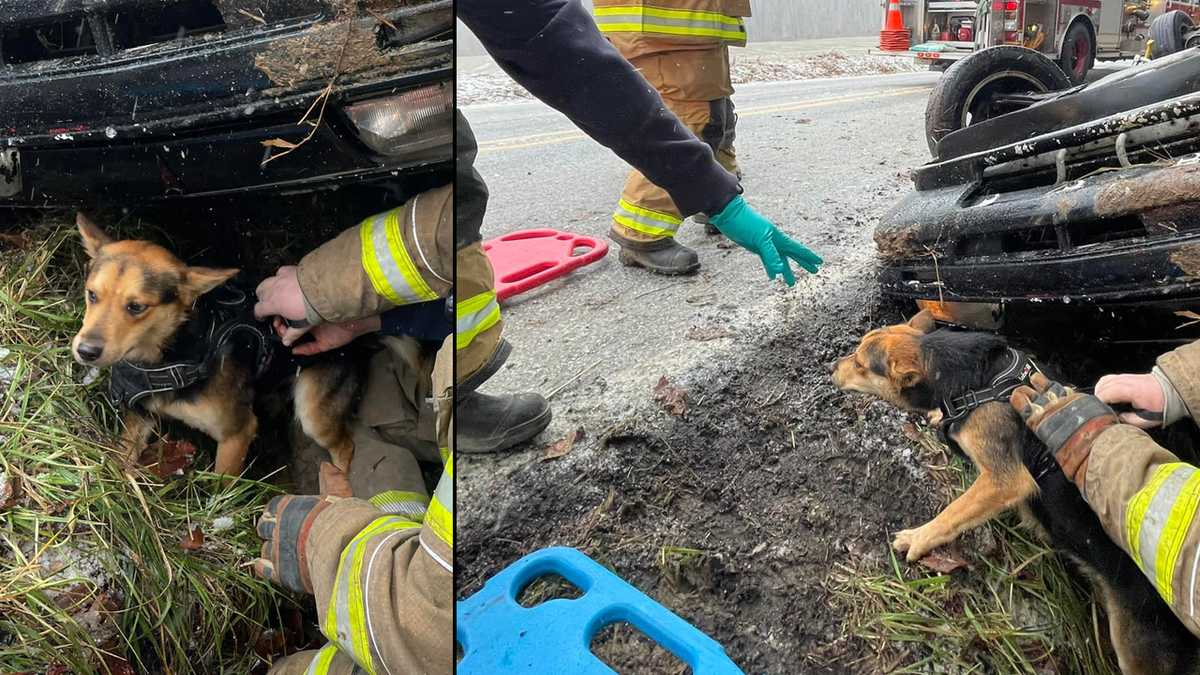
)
(1088, 194)
(203, 98)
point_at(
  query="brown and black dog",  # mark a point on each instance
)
(139, 297)
(915, 367)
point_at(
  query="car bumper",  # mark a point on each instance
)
(189, 119)
(1122, 236)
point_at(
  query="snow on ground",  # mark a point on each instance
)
(496, 87)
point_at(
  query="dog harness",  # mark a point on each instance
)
(1018, 372)
(223, 320)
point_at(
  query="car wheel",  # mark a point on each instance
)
(1078, 54)
(966, 92)
(1168, 32)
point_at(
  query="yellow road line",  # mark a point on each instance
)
(554, 137)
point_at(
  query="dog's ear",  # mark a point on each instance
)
(923, 321)
(906, 376)
(199, 280)
(93, 237)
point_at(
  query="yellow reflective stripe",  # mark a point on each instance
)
(473, 316)
(346, 621)
(646, 221)
(1171, 540)
(1135, 509)
(445, 453)
(440, 516)
(321, 662)
(687, 23)
(387, 263)
(688, 14)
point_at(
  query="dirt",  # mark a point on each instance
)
(352, 50)
(771, 495)
(1168, 187)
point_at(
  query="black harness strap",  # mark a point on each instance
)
(1018, 372)
(223, 317)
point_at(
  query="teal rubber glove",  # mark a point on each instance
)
(752, 231)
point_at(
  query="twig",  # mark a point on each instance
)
(574, 377)
(382, 19)
(253, 16)
(322, 98)
(655, 290)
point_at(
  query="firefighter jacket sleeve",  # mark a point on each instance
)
(1178, 371)
(1148, 500)
(400, 257)
(554, 49)
(383, 602)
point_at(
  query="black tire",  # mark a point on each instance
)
(1168, 32)
(1078, 53)
(962, 95)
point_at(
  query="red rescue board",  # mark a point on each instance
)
(524, 260)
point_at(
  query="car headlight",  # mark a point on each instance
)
(407, 123)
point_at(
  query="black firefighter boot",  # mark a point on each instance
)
(485, 423)
(660, 256)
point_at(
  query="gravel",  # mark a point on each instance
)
(497, 87)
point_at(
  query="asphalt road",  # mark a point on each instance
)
(815, 155)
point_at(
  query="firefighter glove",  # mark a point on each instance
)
(1066, 421)
(284, 528)
(751, 230)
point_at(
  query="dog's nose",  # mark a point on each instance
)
(89, 351)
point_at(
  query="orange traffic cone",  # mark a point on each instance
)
(894, 36)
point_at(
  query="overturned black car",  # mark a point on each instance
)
(1088, 194)
(124, 102)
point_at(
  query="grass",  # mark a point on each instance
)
(92, 570)
(1020, 609)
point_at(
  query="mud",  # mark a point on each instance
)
(1187, 259)
(352, 50)
(1168, 187)
(772, 479)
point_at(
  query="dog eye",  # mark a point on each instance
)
(91, 296)
(135, 308)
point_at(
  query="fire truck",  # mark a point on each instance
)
(1074, 33)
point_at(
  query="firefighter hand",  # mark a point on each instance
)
(280, 295)
(1143, 392)
(326, 336)
(284, 528)
(1066, 421)
(751, 230)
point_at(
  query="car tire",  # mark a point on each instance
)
(957, 96)
(1168, 32)
(1078, 53)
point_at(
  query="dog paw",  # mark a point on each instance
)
(933, 417)
(917, 543)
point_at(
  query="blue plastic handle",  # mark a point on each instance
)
(498, 635)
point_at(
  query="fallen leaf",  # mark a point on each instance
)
(706, 333)
(192, 540)
(8, 492)
(911, 430)
(945, 563)
(168, 458)
(563, 446)
(671, 398)
(279, 143)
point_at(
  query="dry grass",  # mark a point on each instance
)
(1020, 609)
